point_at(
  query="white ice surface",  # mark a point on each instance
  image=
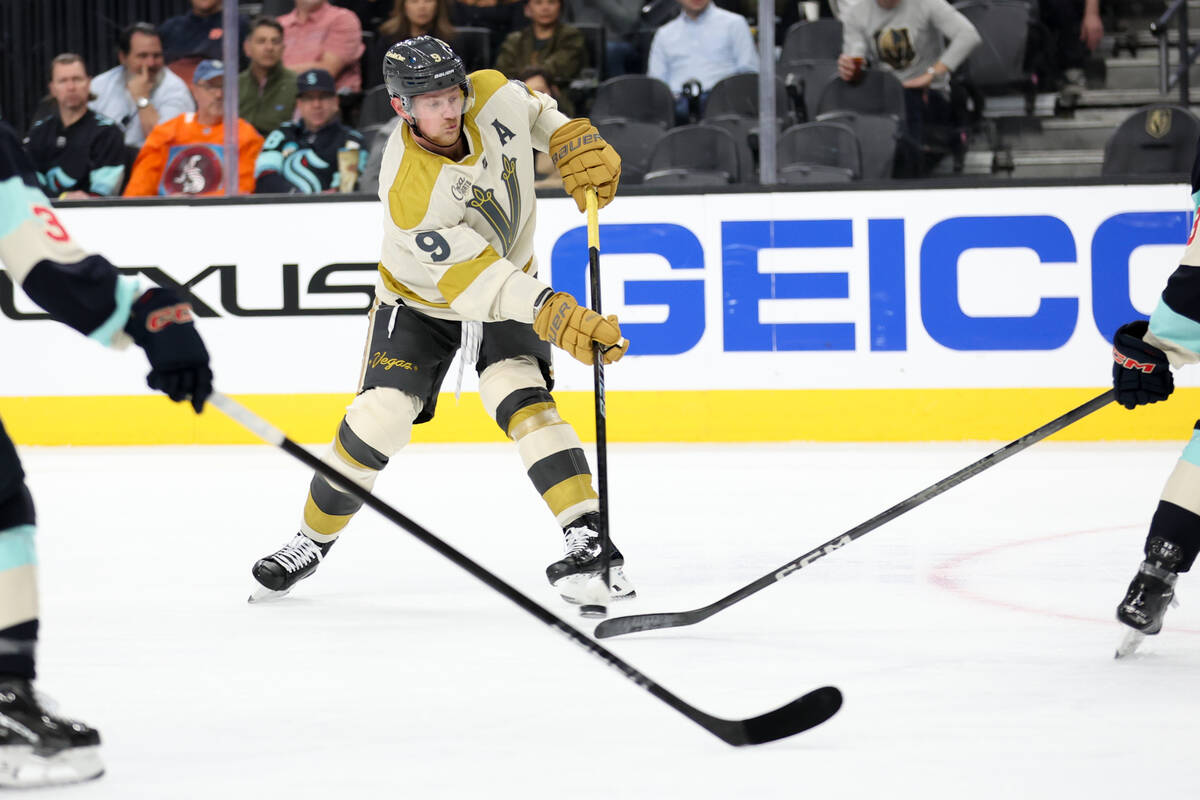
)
(972, 637)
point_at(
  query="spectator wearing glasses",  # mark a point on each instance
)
(77, 153)
(140, 92)
(185, 155)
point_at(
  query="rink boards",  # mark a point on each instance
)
(942, 314)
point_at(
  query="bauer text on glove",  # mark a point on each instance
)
(564, 323)
(584, 161)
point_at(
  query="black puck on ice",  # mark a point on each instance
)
(593, 611)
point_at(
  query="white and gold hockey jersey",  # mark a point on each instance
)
(458, 236)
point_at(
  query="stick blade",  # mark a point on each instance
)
(797, 716)
(643, 622)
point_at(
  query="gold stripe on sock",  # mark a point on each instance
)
(569, 492)
(532, 417)
(322, 523)
(340, 449)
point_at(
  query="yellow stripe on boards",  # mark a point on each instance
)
(826, 415)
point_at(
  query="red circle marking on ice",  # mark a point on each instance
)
(942, 575)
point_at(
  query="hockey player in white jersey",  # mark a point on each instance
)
(458, 267)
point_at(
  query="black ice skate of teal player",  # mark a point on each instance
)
(1144, 353)
(458, 268)
(85, 292)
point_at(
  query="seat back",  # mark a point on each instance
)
(737, 95)
(635, 97)
(1157, 139)
(796, 174)
(878, 92)
(593, 37)
(697, 148)
(633, 141)
(376, 107)
(808, 76)
(474, 47)
(827, 143)
(877, 137)
(819, 38)
(998, 63)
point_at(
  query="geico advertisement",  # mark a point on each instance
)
(1008, 287)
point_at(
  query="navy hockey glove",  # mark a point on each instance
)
(161, 323)
(1141, 373)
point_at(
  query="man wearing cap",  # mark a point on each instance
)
(185, 155)
(316, 153)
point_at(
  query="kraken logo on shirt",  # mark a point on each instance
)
(484, 201)
(895, 47)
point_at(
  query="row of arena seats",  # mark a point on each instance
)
(846, 146)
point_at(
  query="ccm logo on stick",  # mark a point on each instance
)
(836, 544)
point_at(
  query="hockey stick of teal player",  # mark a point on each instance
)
(799, 715)
(593, 240)
(677, 619)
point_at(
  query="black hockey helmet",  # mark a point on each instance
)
(421, 65)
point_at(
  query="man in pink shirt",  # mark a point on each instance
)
(318, 35)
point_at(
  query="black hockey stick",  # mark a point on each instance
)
(677, 619)
(593, 240)
(799, 715)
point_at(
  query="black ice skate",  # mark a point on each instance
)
(1149, 595)
(39, 748)
(571, 574)
(280, 571)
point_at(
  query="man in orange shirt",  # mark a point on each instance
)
(185, 155)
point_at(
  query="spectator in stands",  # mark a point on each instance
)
(620, 19)
(316, 153)
(410, 18)
(140, 93)
(548, 43)
(906, 37)
(267, 89)
(77, 153)
(501, 17)
(545, 174)
(1075, 30)
(318, 35)
(701, 46)
(185, 155)
(190, 38)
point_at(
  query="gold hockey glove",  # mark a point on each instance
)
(566, 324)
(584, 160)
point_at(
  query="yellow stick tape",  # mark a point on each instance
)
(881, 415)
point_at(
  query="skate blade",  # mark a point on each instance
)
(589, 589)
(1129, 644)
(264, 595)
(21, 769)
